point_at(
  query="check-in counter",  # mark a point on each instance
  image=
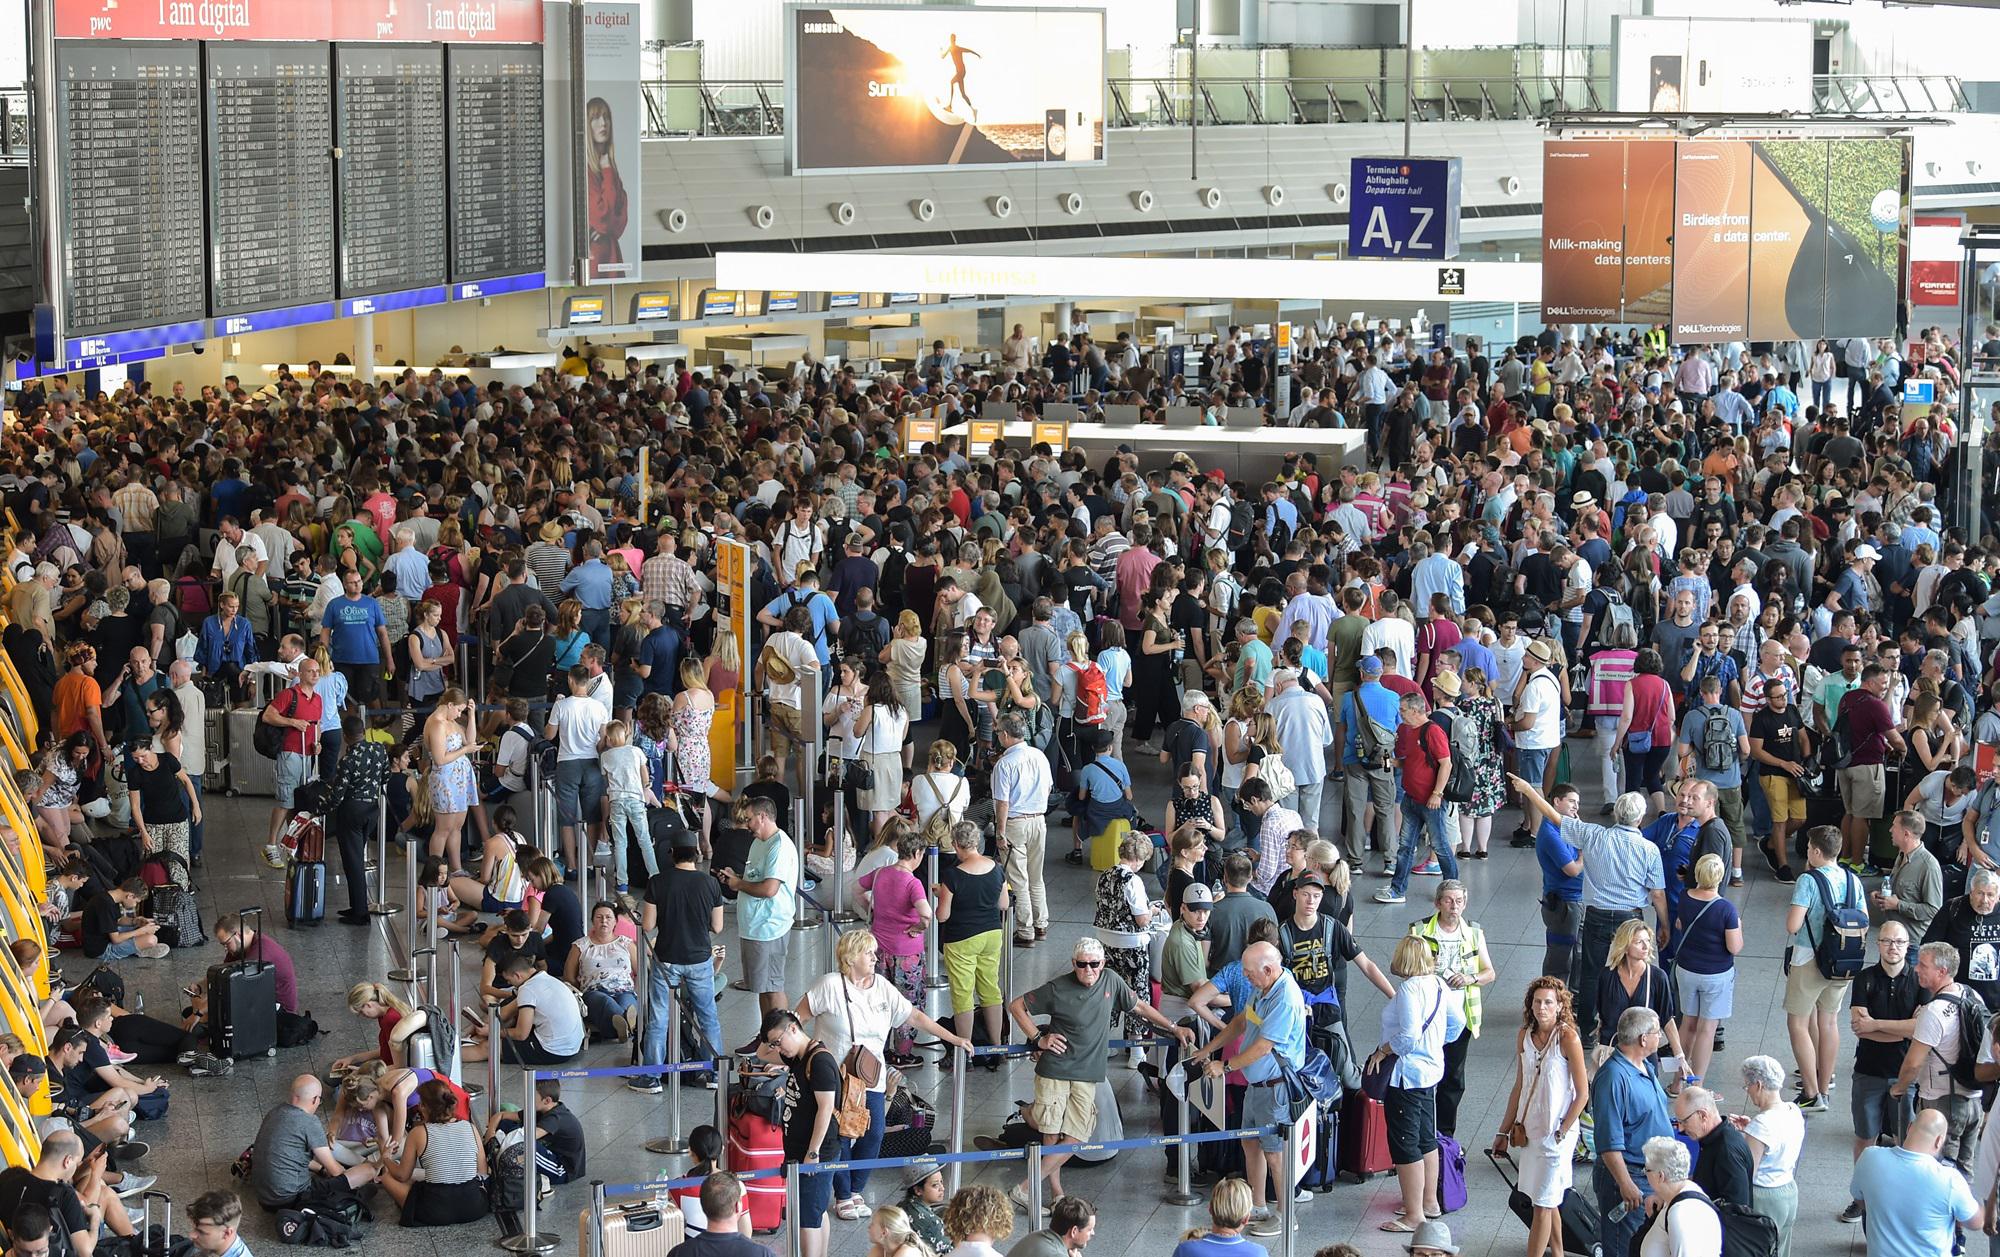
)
(1241, 453)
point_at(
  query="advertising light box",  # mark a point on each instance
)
(895, 87)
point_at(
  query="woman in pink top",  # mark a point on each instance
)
(901, 909)
(1645, 729)
(1435, 636)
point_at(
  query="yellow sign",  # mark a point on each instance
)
(584, 310)
(1054, 434)
(732, 611)
(649, 307)
(1284, 335)
(984, 433)
(918, 433)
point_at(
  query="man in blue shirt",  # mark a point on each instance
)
(1375, 780)
(1914, 1199)
(589, 582)
(1812, 1000)
(1562, 886)
(354, 632)
(659, 658)
(1271, 1028)
(1627, 1107)
(825, 619)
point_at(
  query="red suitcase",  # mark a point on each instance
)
(755, 1144)
(1364, 1136)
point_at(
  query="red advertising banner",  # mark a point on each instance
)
(351, 21)
(1934, 259)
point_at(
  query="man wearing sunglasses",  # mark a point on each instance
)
(1072, 1049)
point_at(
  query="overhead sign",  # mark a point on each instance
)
(781, 303)
(999, 275)
(348, 21)
(653, 307)
(1404, 207)
(881, 87)
(583, 311)
(1670, 65)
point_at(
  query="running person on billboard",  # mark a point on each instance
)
(607, 206)
(958, 53)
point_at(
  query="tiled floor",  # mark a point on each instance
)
(213, 1119)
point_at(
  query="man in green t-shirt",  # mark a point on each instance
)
(1073, 1048)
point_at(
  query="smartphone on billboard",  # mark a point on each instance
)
(1069, 135)
(1664, 90)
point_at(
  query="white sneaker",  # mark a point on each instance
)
(276, 856)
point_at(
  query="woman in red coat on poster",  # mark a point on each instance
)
(607, 191)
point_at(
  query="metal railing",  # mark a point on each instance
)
(756, 107)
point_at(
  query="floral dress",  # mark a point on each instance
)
(1489, 782)
(1126, 950)
(691, 760)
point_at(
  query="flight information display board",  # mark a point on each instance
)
(495, 119)
(270, 177)
(389, 123)
(128, 170)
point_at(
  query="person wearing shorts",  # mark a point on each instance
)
(1416, 1024)
(1268, 1037)
(1812, 1000)
(767, 902)
(1074, 1048)
(1706, 937)
(811, 1097)
(1885, 991)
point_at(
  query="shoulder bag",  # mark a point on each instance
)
(860, 1071)
(1375, 1082)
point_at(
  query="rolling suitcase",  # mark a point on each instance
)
(243, 1004)
(1578, 1211)
(1363, 1136)
(250, 772)
(305, 892)
(757, 1144)
(635, 1228)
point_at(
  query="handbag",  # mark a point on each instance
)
(1375, 1080)
(1640, 741)
(860, 1072)
(1517, 1130)
(858, 773)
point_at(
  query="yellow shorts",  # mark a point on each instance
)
(1786, 797)
(972, 966)
(1064, 1107)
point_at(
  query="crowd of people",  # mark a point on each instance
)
(1751, 614)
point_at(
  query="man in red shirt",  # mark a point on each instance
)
(1871, 732)
(1425, 754)
(296, 710)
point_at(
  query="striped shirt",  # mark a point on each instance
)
(451, 1153)
(136, 506)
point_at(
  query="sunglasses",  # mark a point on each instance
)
(1088, 964)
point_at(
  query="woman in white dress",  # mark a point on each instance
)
(1542, 1111)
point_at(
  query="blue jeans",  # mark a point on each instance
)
(120, 951)
(866, 1147)
(1614, 1237)
(597, 622)
(694, 982)
(600, 1006)
(623, 814)
(1418, 822)
(1532, 766)
(194, 830)
(1757, 808)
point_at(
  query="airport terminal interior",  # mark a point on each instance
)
(1511, 472)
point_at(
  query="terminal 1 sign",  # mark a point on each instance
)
(1404, 207)
(1726, 239)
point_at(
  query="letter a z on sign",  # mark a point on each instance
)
(1404, 207)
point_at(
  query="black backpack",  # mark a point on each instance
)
(1745, 1232)
(1242, 518)
(1971, 1038)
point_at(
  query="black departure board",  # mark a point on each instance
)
(389, 124)
(495, 107)
(270, 175)
(128, 123)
